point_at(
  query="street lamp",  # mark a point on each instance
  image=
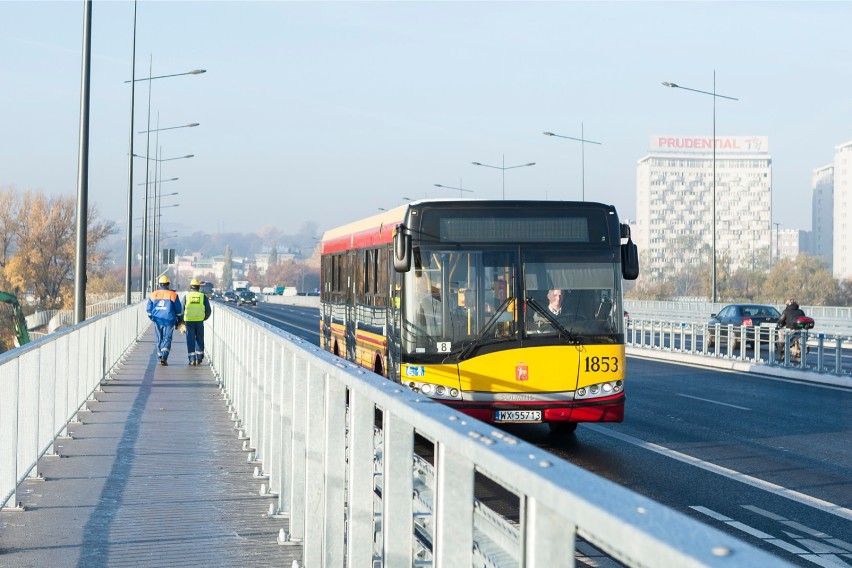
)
(460, 189)
(157, 223)
(503, 168)
(163, 160)
(582, 140)
(715, 96)
(133, 80)
(191, 125)
(145, 250)
(161, 181)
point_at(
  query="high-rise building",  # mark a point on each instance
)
(842, 247)
(822, 216)
(674, 203)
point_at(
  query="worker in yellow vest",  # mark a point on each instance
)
(197, 310)
(165, 310)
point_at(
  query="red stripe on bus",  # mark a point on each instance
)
(370, 339)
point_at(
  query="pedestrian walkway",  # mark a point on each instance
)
(152, 476)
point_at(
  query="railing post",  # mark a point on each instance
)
(334, 538)
(838, 355)
(360, 517)
(315, 466)
(9, 426)
(397, 490)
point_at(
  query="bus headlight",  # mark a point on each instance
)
(600, 389)
(434, 391)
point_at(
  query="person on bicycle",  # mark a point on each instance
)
(791, 314)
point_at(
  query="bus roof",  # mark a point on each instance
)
(379, 228)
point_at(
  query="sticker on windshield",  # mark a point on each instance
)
(412, 371)
(444, 346)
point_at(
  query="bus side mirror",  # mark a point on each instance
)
(629, 260)
(629, 255)
(401, 250)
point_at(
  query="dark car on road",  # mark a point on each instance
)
(752, 317)
(229, 297)
(246, 297)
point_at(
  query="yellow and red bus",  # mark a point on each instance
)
(451, 298)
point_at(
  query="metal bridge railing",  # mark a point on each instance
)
(45, 383)
(824, 353)
(336, 445)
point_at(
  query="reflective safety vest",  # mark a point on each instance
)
(194, 309)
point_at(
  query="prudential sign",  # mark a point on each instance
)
(704, 144)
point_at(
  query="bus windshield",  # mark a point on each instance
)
(456, 297)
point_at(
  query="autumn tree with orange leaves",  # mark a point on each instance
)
(38, 246)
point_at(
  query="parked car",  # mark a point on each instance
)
(229, 296)
(246, 297)
(752, 317)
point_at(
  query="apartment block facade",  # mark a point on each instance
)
(675, 196)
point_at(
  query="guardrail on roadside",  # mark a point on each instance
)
(314, 424)
(44, 383)
(824, 353)
(829, 319)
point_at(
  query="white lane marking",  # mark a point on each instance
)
(825, 506)
(711, 513)
(786, 522)
(713, 401)
(845, 546)
(751, 530)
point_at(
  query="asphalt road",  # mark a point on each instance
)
(767, 460)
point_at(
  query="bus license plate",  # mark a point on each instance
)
(517, 416)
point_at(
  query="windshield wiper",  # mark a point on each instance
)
(466, 350)
(563, 332)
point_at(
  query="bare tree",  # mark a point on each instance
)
(45, 247)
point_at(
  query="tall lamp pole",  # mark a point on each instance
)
(83, 170)
(133, 80)
(152, 250)
(715, 96)
(582, 140)
(503, 168)
(128, 261)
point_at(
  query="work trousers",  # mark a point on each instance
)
(195, 340)
(164, 335)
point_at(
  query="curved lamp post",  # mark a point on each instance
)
(133, 80)
(460, 189)
(582, 140)
(715, 96)
(503, 168)
(152, 252)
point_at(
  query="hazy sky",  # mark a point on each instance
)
(328, 111)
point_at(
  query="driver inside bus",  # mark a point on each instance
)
(554, 306)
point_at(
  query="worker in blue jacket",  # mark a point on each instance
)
(165, 310)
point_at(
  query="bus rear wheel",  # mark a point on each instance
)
(562, 428)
